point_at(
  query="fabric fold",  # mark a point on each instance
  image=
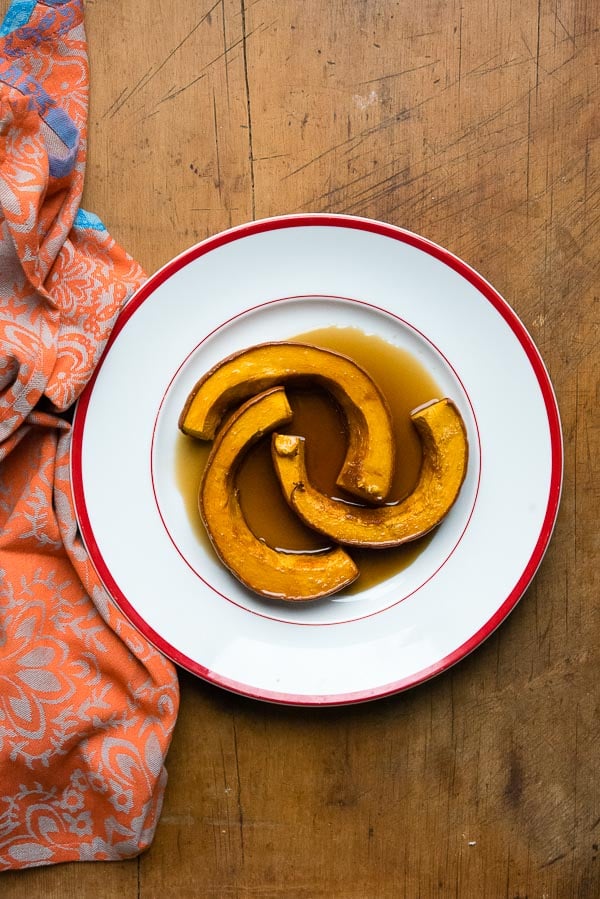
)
(87, 706)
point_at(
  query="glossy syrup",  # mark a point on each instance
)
(404, 382)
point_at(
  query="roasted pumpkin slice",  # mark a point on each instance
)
(445, 451)
(369, 463)
(266, 571)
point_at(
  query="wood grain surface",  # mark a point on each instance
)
(476, 124)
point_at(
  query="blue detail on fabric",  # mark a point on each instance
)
(37, 98)
(63, 126)
(54, 116)
(85, 219)
(17, 15)
(59, 19)
(64, 129)
(31, 35)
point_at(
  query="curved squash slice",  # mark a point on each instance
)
(266, 571)
(369, 464)
(445, 452)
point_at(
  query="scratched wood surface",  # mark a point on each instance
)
(476, 124)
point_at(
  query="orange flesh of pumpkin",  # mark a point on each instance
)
(268, 572)
(369, 463)
(445, 454)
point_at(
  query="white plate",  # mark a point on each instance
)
(271, 280)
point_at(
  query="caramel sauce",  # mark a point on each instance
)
(191, 457)
(405, 384)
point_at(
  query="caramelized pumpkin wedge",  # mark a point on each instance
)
(266, 571)
(369, 463)
(445, 451)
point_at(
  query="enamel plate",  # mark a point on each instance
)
(272, 280)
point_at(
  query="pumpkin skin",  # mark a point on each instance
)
(295, 577)
(368, 467)
(445, 456)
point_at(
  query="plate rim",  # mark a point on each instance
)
(534, 358)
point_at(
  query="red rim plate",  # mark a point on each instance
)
(537, 365)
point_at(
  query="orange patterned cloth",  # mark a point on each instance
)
(87, 706)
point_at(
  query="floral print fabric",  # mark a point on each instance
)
(87, 706)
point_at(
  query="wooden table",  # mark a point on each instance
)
(475, 124)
